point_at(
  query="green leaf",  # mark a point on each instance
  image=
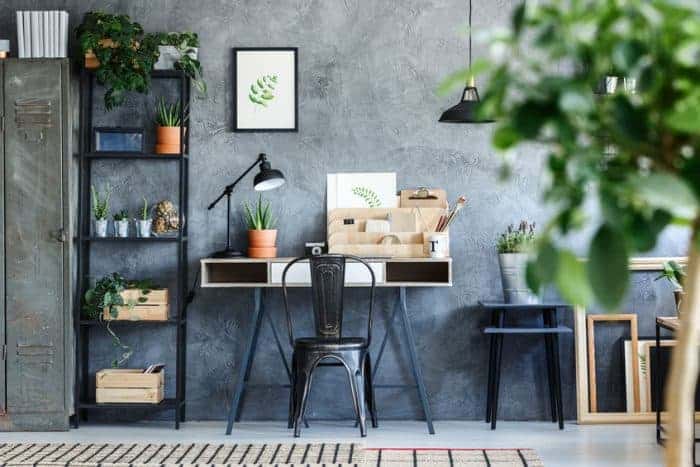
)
(667, 192)
(571, 279)
(626, 54)
(629, 122)
(576, 101)
(685, 114)
(505, 137)
(608, 268)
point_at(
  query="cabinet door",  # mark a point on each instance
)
(3, 386)
(34, 315)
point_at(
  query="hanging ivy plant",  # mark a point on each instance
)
(126, 56)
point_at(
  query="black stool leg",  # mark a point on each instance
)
(489, 384)
(557, 379)
(497, 380)
(550, 366)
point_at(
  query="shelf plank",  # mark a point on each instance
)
(167, 403)
(125, 322)
(104, 155)
(133, 239)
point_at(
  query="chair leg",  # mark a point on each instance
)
(303, 386)
(292, 393)
(369, 391)
(497, 380)
(489, 383)
(357, 385)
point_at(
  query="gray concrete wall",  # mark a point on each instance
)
(368, 70)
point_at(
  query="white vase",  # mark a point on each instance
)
(169, 55)
(122, 228)
(143, 228)
(515, 289)
(101, 227)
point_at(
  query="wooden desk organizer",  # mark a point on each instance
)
(154, 308)
(129, 385)
(351, 238)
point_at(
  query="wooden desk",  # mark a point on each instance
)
(259, 274)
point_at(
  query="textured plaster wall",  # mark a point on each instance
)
(368, 70)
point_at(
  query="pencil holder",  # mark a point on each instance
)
(436, 244)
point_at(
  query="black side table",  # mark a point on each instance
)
(550, 329)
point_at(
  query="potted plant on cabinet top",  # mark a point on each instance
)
(100, 210)
(261, 235)
(119, 51)
(121, 223)
(169, 121)
(675, 274)
(178, 51)
(144, 223)
(514, 246)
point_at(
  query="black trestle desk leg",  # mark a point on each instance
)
(387, 333)
(244, 371)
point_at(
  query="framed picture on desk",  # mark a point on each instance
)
(265, 89)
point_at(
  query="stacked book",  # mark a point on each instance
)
(42, 34)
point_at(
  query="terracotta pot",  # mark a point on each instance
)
(167, 140)
(261, 243)
(91, 61)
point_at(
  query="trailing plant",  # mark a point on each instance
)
(145, 214)
(634, 153)
(185, 42)
(100, 203)
(520, 240)
(106, 294)
(259, 216)
(125, 54)
(169, 114)
(674, 273)
(121, 215)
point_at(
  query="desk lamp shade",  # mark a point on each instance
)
(466, 111)
(268, 178)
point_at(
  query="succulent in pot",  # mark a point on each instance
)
(121, 223)
(143, 224)
(514, 246)
(100, 210)
(674, 273)
(170, 118)
(261, 234)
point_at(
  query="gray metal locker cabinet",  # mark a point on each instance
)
(36, 324)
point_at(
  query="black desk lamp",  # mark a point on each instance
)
(267, 179)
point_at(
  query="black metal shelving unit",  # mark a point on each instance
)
(84, 401)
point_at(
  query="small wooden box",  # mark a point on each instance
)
(129, 386)
(155, 308)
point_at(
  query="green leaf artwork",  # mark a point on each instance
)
(370, 196)
(262, 90)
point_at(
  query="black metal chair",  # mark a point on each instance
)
(329, 347)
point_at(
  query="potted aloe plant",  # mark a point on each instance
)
(143, 224)
(514, 247)
(100, 210)
(121, 223)
(674, 273)
(261, 234)
(168, 131)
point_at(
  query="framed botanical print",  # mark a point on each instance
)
(265, 94)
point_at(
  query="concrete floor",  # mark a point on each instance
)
(599, 446)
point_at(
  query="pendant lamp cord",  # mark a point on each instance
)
(470, 36)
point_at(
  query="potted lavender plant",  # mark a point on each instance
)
(514, 246)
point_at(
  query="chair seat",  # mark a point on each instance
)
(323, 343)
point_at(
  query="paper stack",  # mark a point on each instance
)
(42, 34)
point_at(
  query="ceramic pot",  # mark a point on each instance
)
(261, 243)
(143, 228)
(101, 227)
(168, 55)
(167, 139)
(122, 228)
(515, 289)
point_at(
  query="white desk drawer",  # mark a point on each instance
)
(355, 273)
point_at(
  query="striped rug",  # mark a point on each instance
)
(254, 455)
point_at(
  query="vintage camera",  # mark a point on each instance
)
(315, 248)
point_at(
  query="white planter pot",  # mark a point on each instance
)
(122, 228)
(143, 228)
(101, 227)
(515, 289)
(169, 54)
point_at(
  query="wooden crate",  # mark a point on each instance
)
(155, 308)
(129, 385)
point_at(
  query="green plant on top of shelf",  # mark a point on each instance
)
(168, 115)
(126, 56)
(144, 212)
(100, 203)
(520, 240)
(121, 215)
(259, 216)
(185, 43)
(106, 294)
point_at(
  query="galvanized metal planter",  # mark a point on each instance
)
(515, 289)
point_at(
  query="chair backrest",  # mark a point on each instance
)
(327, 290)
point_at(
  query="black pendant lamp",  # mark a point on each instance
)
(466, 111)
